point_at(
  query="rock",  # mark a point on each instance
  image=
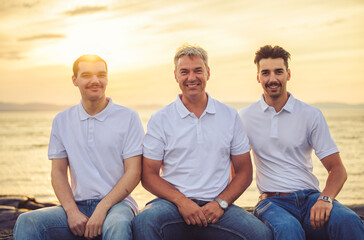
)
(11, 206)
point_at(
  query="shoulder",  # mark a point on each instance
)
(66, 113)
(306, 109)
(222, 108)
(165, 111)
(119, 109)
(249, 109)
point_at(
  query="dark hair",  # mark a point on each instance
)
(272, 52)
(86, 58)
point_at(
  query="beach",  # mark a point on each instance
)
(25, 168)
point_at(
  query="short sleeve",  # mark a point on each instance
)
(321, 140)
(133, 143)
(240, 141)
(153, 143)
(56, 149)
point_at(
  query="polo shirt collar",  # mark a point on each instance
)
(101, 116)
(287, 107)
(184, 112)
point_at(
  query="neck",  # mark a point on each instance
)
(197, 104)
(277, 103)
(94, 107)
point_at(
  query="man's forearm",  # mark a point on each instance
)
(239, 183)
(161, 188)
(337, 175)
(63, 191)
(242, 179)
(122, 189)
(334, 183)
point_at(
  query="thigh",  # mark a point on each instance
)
(283, 224)
(343, 222)
(236, 223)
(160, 219)
(117, 224)
(45, 223)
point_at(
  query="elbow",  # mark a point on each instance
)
(345, 175)
(249, 179)
(146, 180)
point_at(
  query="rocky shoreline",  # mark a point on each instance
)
(11, 206)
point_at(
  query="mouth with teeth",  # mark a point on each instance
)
(192, 85)
(273, 85)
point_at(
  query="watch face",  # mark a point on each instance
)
(224, 204)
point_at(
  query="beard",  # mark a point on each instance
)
(275, 94)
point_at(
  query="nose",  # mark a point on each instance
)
(94, 78)
(191, 76)
(272, 77)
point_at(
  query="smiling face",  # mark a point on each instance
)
(91, 80)
(273, 76)
(192, 75)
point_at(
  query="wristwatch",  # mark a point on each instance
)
(325, 198)
(223, 204)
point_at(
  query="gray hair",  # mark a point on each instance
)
(189, 50)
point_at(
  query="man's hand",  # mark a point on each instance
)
(191, 212)
(77, 222)
(320, 214)
(95, 223)
(212, 211)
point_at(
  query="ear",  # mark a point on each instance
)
(74, 81)
(175, 75)
(289, 74)
(258, 79)
(208, 73)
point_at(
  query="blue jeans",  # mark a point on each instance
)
(160, 219)
(51, 223)
(289, 218)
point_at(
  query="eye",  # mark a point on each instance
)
(279, 71)
(184, 72)
(101, 75)
(265, 73)
(86, 75)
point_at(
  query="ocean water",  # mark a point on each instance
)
(25, 168)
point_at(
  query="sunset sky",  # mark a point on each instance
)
(40, 39)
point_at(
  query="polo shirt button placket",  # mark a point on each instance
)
(91, 132)
(274, 126)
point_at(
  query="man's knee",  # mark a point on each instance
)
(26, 226)
(26, 220)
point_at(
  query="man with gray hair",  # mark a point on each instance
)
(194, 140)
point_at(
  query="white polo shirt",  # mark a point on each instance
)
(196, 152)
(96, 147)
(282, 144)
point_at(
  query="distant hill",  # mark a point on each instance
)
(30, 107)
(320, 105)
(337, 105)
(236, 105)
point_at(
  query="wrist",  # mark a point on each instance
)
(222, 203)
(325, 199)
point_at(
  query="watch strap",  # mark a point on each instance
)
(325, 198)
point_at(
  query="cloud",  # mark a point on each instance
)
(41, 37)
(6, 6)
(334, 22)
(30, 4)
(11, 55)
(85, 10)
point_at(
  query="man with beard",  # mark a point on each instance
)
(282, 132)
